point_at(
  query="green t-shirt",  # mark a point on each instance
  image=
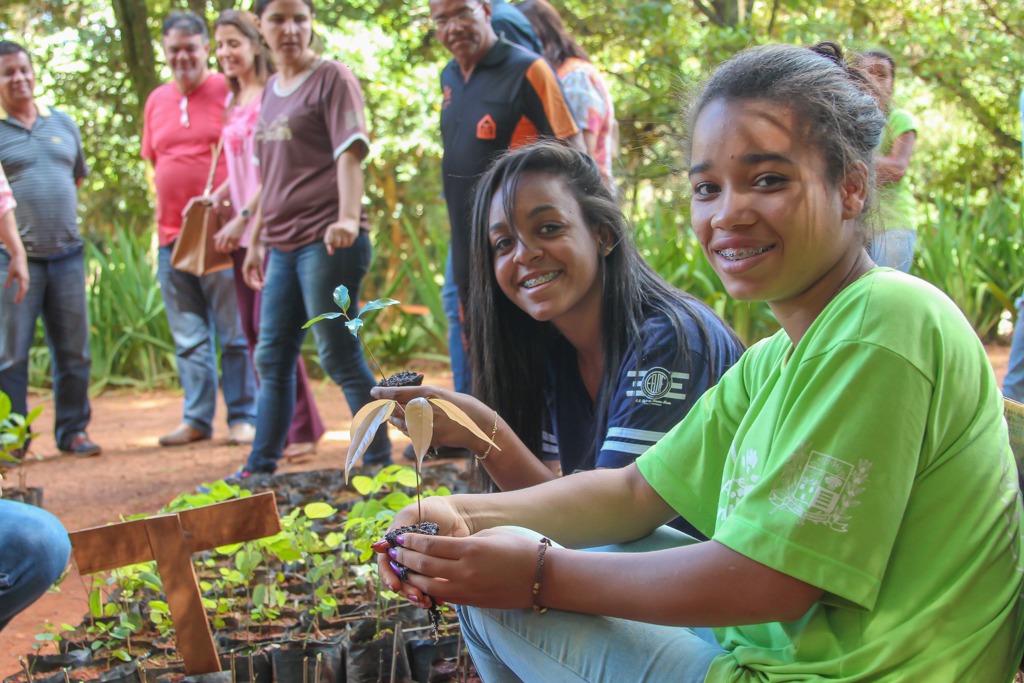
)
(895, 200)
(871, 461)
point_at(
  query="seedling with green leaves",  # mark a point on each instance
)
(15, 429)
(419, 413)
(419, 420)
(354, 325)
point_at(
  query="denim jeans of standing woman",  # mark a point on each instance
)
(298, 285)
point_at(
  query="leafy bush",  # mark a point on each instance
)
(974, 254)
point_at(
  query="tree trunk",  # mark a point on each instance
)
(137, 49)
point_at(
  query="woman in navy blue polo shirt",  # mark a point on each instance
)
(583, 357)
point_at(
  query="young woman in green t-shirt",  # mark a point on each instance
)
(852, 471)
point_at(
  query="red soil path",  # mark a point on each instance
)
(135, 475)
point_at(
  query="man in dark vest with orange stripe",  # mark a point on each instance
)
(497, 96)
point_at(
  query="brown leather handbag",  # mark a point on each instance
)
(194, 251)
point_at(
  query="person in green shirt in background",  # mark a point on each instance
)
(892, 244)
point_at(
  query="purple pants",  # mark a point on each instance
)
(306, 423)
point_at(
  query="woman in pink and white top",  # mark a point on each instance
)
(17, 271)
(584, 87)
(246, 63)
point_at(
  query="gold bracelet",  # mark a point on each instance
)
(545, 543)
(494, 430)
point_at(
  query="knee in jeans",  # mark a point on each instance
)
(49, 550)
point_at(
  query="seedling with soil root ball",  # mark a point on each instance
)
(419, 421)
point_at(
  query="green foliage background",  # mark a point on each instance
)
(960, 66)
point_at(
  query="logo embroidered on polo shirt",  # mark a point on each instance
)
(447, 93)
(656, 386)
(56, 140)
(485, 129)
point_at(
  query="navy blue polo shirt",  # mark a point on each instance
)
(653, 391)
(42, 166)
(512, 98)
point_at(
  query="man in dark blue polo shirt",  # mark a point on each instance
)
(41, 153)
(497, 96)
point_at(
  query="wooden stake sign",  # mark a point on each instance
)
(171, 540)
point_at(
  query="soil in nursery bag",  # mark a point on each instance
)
(423, 652)
(32, 495)
(214, 677)
(368, 659)
(459, 669)
(248, 667)
(253, 635)
(50, 668)
(310, 662)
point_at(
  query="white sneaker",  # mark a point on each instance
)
(241, 433)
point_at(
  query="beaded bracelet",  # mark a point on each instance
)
(494, 430)
(545, 543)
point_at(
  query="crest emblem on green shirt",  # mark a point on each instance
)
(820, 488)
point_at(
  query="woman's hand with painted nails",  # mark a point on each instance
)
(493, 568)
(441, 510)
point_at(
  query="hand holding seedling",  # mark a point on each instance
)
(446, 432)
(438, 509)
(493, 568)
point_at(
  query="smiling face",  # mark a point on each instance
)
(464, 28)
(235, 52)
(549, 263)
(287, 26)
(769, 220)
(186, 55)
(17, 80)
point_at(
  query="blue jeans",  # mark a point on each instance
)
(462, 378)
(509, 646)
(299, 285)
(197, 309)
(893, 248)
(34, 549)
(1013, 383)
(57, 292)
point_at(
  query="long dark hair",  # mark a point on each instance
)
(246, 24)
(558, 44)
(508, 348)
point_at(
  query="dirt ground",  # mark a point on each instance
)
(135, 475)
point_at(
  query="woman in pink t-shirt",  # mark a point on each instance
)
(247, 65)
